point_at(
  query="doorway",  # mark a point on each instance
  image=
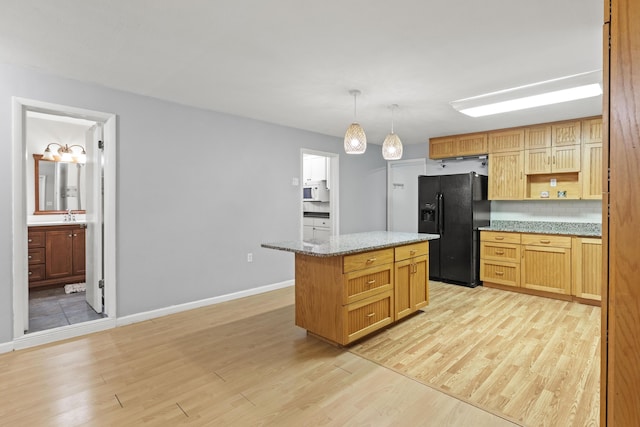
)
(319, 170)
(86, 203)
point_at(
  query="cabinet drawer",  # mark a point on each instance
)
(500, 236)
(365, 283)
(500, 251)
(366, 316)
(35, 239)
(503, 273)
(36, 272)
(367, 259)
(410, 251)
(36, 256)
(546, 240)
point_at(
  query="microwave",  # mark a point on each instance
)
(315, 191)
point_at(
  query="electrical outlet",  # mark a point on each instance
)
(249, 257)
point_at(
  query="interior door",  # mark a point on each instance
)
(94, 216)
(402, 203)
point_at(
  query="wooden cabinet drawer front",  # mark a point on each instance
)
(36, 256)
(503, 273)
(36, 272)
(413, 250)
(367, 259)
(500, 236)
(368, 315)
(35, 239)
(500, 251)
(546, 240)
(366, 283)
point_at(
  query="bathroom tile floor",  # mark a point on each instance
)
(51, 308)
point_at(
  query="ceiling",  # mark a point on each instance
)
(293, 62)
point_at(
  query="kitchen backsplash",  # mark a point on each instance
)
(547, 210)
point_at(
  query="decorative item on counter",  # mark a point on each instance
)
(544, 194)
(562, 194)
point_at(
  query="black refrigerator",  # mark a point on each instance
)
(454, 206)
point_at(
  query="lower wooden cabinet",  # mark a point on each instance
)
(546, 263)
(411, 279)
(56, 255)
(343, 298)
(551, 265)
(587, 268)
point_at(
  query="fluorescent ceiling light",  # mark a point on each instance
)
(570, 88)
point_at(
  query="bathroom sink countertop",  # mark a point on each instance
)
(589, 229)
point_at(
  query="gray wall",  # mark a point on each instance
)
(197, 191)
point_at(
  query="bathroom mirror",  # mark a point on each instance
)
(59, 186)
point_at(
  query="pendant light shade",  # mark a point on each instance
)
(355, 140)
(392, 146)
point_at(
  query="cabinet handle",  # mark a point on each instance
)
(499, 273)
(371, 282)
(30, 273)
(499, 252)
(370, 260)
(412, 252)
(545, 241)
(371, 315)
(499, 238)
(30, 240)
(548, 159)
(75, 235)
(30, 257)
(554, 160)
(70, 235)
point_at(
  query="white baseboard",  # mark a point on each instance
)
(72, 331)
(152, 314)
(6, 347)
(62, 333)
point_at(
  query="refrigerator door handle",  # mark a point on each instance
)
(440, 213)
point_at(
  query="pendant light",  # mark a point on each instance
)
(355, 141)
(392, 146)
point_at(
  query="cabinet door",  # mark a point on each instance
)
(79, 258)
(403, 273)
(587, 271)
(470, 145)
(537, 161)
(537, 137)
(546, 269)
(592, 131)
(505, 176)
(442, 148)
(566, 133)
(420, 285)
(508, 140)
(592, 171)
(59, 253)
(321, 233)
(565, 158)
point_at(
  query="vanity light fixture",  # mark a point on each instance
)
(555, 91)
(355, 140)
(65, 153)
(392, 146)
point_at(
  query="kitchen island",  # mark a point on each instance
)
(354, 284)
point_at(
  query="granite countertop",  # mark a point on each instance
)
(350, 243)
(590, 229)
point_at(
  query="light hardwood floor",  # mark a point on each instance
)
(244, 363)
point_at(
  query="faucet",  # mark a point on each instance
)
(70, 216)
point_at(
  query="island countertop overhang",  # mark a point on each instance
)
(345, 244)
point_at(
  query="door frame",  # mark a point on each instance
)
(20, 106)
(334, 192)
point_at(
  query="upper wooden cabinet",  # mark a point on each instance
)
(592, 131)
(506, 140)
(537, 137)
(506, 176)
(473, 144)
(553, 159)
(566, 133)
